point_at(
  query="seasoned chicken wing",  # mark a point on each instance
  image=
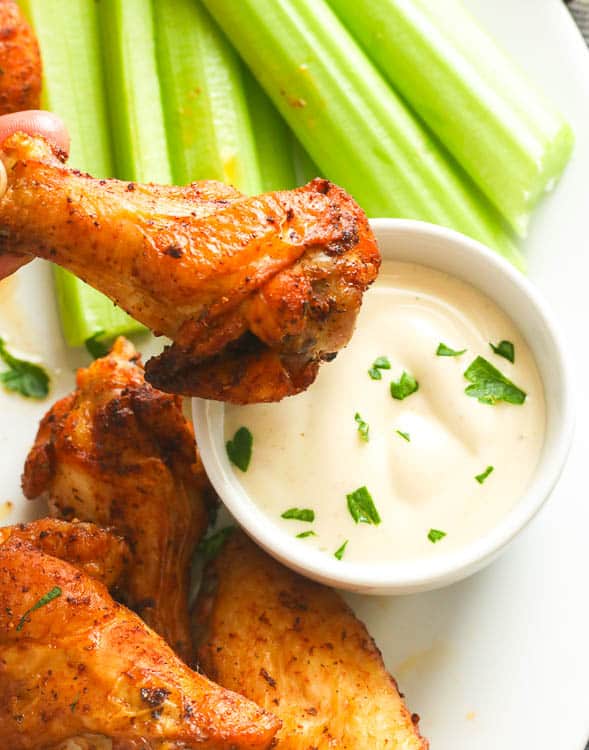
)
(119, 453)
(75, 664)
(255, 292)
(20, 61)
(295, 648)
(96, 551)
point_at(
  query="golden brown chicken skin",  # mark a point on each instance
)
(20, 61)
(96, 551)
(295, 648)
(255, 292)
(73, 663)
(119, 453)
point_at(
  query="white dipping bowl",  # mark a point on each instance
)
(455, 254)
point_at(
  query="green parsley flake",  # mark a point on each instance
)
(48, 597)
(380, 363)
(481, 477)
(23, 377)
(489, 385)
(210, 547)
(305, 534)
(75, 703)
(239, 449)
(339, 553)
(362, 508)
(299, 514)
(445, 351)
(405, 435)
(96, 347)
(434, 535)
(504, 349)
(405, 387)
(363, 428)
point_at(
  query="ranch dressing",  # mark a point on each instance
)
(424, 452)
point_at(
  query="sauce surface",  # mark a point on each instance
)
(308, 452)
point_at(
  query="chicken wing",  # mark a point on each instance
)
(97, 552)
(119, 453)
(295, 648)
(20, 61)
(75, 664)
(255, 292)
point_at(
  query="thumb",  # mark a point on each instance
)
(37, 122)
(33, 122)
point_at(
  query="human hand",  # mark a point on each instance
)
(34, 122)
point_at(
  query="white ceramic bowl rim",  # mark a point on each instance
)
(410, 575)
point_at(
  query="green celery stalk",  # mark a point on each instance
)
(306, 169)
(73, 88)
(209, 129)
(511, 142)
(273, 139)
(133, 89)
(353, 125)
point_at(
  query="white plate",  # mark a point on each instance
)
(501, 660)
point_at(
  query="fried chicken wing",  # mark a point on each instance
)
(295, 648)
(75, 664)
(255, 292)
(97, 552)
(119, 453)
(20, 61)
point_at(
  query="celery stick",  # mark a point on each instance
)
(73, 85)
(133, 89)
(73, 88)
(273, 139)
(351, 122)
(511, 142)
(208, 123)
(306, 169)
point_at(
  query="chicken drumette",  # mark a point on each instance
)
(255, 292)
(295, 648)
(20, 62)
(119, 453)
(79, 671)
(98, 552)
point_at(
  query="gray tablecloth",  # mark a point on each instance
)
(580, 12)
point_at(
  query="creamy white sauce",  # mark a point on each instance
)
(307, 452)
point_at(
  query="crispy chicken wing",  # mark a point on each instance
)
(20, 61)
(120, 453)
(295, 648)
(97, 552)
(255, 292)
(75, 664)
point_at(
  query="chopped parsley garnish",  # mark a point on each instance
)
(445, 351)
(380, 363)
(95, 347)
(210, 547)
(23, 377)
(405, 435)
(299, 514)
(45, 599)
(74, 703)
(405, 387)
(339, 553)
(489, 385)
(504, 349)
(434, 535)
(363, 428)
(362, 508)
(239, 449)
(305, 534)
(481, 477)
